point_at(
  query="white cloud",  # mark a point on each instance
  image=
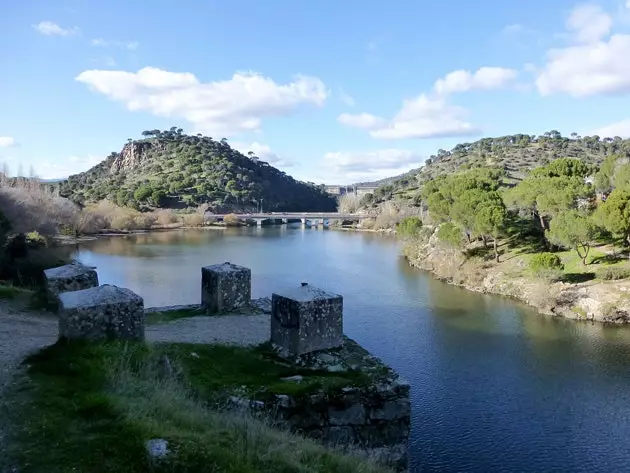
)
(485, 78)
(589, 23)
(65, 168)
(7, 141)
(621, 128)
(346, 98)
(49, 28)
(131, 45)
(594, 64)
(223, 107)
(348, 167)
(263, 152)
(365, 121)
(590, 69)
(422, 117)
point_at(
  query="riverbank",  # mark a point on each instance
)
(588, 298)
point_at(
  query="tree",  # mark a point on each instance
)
(614, 214)
(574, 230)
(450, 235)
(158, 197)
(490, 218)
(142, 193)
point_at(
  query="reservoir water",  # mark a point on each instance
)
(495, 387)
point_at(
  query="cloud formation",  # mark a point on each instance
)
(263, 151)
(351, 167)
(222, 107)
(485, 78)
(53, 29)
(131, 45)
(621, 128)
(7, 141)
(65, 168)
(594, 61)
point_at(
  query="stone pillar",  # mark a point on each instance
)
(306, 319)
(225, 287)
(71, 277)
(101, 313)
(259, 222)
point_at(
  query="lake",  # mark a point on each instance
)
(495, 386)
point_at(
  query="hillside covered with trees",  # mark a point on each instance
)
(515, 155)
(170, 169)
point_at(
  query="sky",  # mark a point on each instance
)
(328, 91)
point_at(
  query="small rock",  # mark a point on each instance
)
(326, 358)
(157, 448)
(194, 355)
(335, 369)
(297, 378)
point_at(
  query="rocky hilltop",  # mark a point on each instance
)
(174, 170)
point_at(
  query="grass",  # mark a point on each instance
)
(91, 407)
(216, 371)
(9, 292)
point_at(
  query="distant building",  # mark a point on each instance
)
(354, 189)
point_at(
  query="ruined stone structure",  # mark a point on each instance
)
(225, 287)
(305, 319)
(371, 416)
(71, 277)
(101, 313)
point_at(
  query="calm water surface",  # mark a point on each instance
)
(495, 387)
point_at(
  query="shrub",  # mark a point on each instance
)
(231, 220)
(367, 224)
(144, 221)
(166, 217)
(142, 193)
(545, 261)
(193, 220)
(613, 274)
(450, 235)
(122, 222)
(409, 226)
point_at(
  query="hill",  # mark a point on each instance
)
(515, 154)
(174, 170)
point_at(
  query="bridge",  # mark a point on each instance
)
(306, 218)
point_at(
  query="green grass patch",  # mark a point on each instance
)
(156, 318)
(12, 292)
(90, 407)
(216, 371)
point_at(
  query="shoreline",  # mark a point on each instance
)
(607, 302)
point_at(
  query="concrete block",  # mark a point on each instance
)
(225, 287)
(71, 277)
(100, 313)
(306, 319)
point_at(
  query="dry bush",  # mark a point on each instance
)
(122, 222)
(31, 206)
(166, 217)
(388, 216)
(193, 220)
(144, 221)
(349, 203)
(231, 220)
(367, 224)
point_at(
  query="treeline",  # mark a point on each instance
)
(169, 169)
(515, 154)
(571, 204)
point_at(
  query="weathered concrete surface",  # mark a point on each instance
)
(104, 312)
(70, 277)
(371, 417)
(305, 319)
(225, 287)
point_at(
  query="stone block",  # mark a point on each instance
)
(306, 319)
(71, 277)
(225, 287)
(100, 313)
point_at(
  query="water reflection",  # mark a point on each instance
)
(495, 386)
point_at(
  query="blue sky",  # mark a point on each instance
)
(329, 91)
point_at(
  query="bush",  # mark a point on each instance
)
(166, 217)
(545, 261)
(409, 226)
(144, 221)
(193, 220)
(613, 274)
(231, 220)
(450, 235)
(142, 193)
(368, 224)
